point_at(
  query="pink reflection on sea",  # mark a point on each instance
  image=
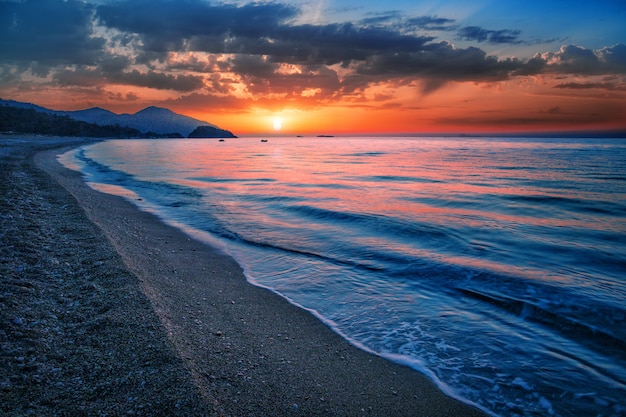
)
(479, 260)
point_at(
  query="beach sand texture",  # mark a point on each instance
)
(106, 310)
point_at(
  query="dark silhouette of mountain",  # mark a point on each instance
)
(21, 105)
(151, 121)
(94, 115)
(32, 121)
(210, 132)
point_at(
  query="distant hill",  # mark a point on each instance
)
(95, 115)
(151, 121)
(24, 120)
(210, 132)
(19, 104)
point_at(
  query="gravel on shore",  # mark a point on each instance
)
(105, 311)
(77, 334)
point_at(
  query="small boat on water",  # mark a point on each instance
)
(263, 140)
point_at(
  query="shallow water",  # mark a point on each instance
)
(497, 267)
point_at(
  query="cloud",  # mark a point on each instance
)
(431, 23)
(555, 110)
(48, 33)
(114, 63)
(254, 29)
(160, 81)
(479, 34)
(261, 49)
(265, 78)
(614, 57)
(381, 19)
(399, 21)
(546, 119)
(572, 59)
(252, 65)
(441, 61)
(177, 25)
(210, 102)
(342, 43)
(262, 35)
(586, 86)
(79, 77)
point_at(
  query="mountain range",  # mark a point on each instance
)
(149, 120)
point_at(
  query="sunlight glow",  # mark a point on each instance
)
(278, 123)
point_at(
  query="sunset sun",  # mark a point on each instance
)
(278, 124)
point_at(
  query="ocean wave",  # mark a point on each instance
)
(228, 179)
(395, 179)
(603, 337)
(569, 204)
(495, 266)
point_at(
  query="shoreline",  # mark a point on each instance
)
(244, 349)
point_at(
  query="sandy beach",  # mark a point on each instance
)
(106, 310)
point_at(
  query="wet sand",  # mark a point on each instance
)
(152, 322)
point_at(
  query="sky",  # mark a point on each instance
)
(326, 66)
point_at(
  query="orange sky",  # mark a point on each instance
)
(519, 105)
(329, 69)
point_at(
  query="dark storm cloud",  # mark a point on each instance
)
(48, 32)
(381, 19)
(268, 30)
(114, 63)
(590, 86)
(158, 80)
(573, 59)
(479, 34)
(398, 20)
(441, 61)
(165, 25)
(79, 77)
(129, 42)
(431, 23)
(261, 76)
(216, 103)
(438, 63)
(614, 56)
(342, 43)
(252, 65)
(607, 112)
(151, 79)
(255, 29)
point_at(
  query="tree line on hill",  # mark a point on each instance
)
(29, 121)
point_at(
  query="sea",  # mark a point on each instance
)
(495, 266)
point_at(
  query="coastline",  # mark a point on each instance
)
(232, 348)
